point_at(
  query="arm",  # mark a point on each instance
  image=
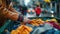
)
(11, 8)
(12, 15)
(9, 14)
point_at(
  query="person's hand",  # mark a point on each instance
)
(12, 9)
(26, 20)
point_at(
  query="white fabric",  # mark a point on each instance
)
(29, 15)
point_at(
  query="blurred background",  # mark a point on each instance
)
(50, 8)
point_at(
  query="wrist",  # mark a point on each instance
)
(26, 20)
(20, 18)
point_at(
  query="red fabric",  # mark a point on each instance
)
(38, 10)
(55, 25)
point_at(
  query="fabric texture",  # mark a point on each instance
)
(38, 10)
(20, 19)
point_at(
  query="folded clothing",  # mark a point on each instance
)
(51, 31)
(44, 28)
(55, 25)
(47, 26)
(38, 30)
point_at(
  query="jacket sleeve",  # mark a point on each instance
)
(20, 18)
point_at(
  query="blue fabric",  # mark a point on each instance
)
(52, 31)
(57, 32)
(15, 26)
(42, 28)
(38, 30)
(47, 26)
(25, 12)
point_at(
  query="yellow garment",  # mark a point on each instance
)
(54, 20)
(47, 20)
(37, 22)
(51, 20)
(14, 32)
(23, 29)
(47, 1)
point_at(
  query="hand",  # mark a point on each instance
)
(26, 20)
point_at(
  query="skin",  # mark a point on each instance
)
(9, 14)
(7, 11)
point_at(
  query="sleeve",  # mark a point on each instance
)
(20, 18)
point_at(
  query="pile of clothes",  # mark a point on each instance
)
(38, 26)
(44, 27)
